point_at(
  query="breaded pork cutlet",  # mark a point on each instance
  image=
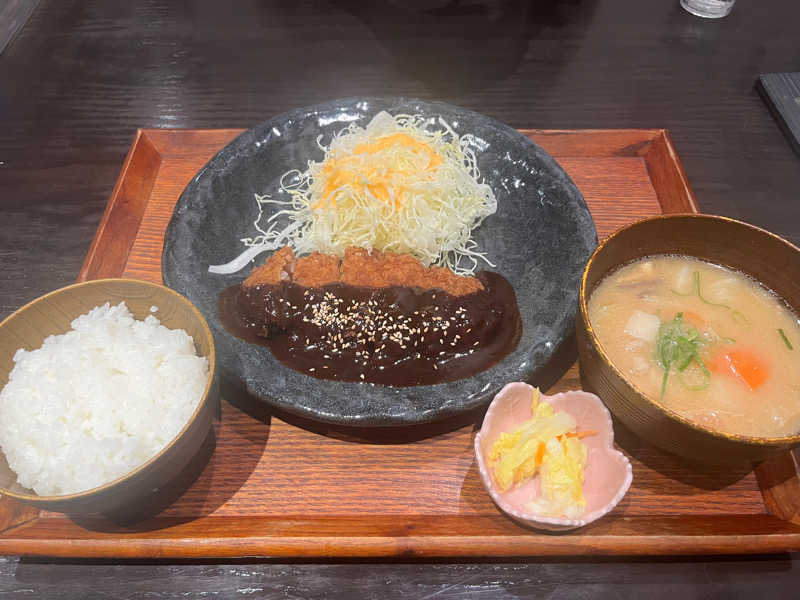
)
(360, 268)
(377, 317)
(279, 267)
(386, 269)
(316, 270)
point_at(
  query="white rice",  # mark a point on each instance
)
(93, 404)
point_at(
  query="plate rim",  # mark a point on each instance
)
(371, 419)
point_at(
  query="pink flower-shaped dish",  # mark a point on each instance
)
(608, 472)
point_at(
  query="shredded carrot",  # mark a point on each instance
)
(540, 453)
(744, 365)
(578, 434)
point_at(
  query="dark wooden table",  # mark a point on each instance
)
(83, 75)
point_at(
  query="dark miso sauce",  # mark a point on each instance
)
(398, 336)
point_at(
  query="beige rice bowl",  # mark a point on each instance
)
(97, 402)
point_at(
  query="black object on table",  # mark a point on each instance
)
(781, 92)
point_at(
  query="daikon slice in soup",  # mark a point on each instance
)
(705, 341)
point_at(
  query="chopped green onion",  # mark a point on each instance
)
(785, 339)
(689, 293)
(677, 346)
(740, 318)
(699, 295)
(695, 378)
(696, 289)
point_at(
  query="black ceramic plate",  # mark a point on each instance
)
(540, 239)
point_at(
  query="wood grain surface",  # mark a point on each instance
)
(279, 485)
(83, 75)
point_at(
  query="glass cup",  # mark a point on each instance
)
(711, 9)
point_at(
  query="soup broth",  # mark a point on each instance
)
(703, 340)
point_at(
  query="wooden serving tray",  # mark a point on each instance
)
(280, 486)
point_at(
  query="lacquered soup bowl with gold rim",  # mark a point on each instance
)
(760, 254)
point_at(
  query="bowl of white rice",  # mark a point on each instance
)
(106, 393)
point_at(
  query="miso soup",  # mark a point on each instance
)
(705, 341)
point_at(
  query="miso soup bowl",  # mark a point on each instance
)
(52, 314)
(764, 256)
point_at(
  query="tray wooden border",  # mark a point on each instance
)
(297, 535)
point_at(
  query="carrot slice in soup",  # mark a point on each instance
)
(692, 318)
(744, 365)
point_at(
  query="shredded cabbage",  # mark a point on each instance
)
(403, 184)
(546, 445)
